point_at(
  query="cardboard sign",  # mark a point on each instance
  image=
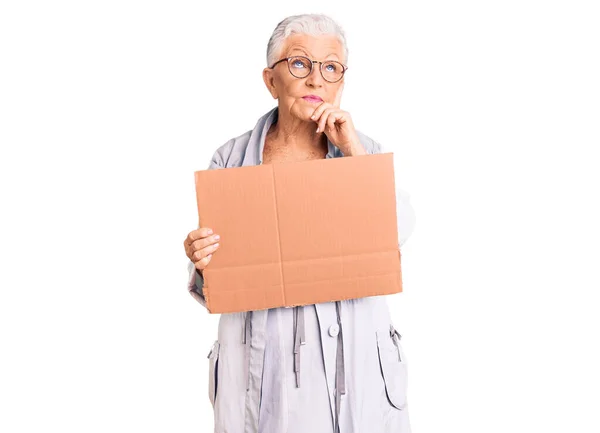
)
(300, 233)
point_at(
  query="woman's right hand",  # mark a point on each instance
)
(199, 246)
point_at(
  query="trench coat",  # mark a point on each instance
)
(335, 367)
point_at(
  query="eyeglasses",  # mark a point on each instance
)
(301, 67)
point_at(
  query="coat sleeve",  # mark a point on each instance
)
(196, 280)
(404, 209)
(195, 284)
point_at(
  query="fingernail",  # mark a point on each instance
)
(317, 129)
(216, 245)
(209, 257)
(210, 231)
(217, 237)
(312, 117)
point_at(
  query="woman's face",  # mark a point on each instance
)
(291, 91)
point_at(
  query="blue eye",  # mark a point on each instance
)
(298, 64)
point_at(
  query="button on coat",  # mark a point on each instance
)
(334, 330)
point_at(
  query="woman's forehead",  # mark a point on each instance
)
(316, 47)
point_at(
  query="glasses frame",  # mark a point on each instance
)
(312, 62)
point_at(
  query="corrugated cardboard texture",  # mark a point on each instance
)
(300, 233)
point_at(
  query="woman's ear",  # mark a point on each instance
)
(269, 80)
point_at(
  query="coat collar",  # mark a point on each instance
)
(256, 144)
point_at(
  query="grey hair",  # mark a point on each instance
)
(309, 24)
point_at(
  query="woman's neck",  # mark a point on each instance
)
(296, 135)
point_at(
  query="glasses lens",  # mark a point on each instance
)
(332, 71)
(299, 66)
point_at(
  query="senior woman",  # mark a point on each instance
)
(334, 367)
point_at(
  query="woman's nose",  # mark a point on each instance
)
(315, 79)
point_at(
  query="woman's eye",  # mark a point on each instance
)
(331, 68)
(298, 64)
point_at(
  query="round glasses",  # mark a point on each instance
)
(301, 67)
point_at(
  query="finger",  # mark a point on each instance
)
(319, 111)
(198, 234)
(323, 118)
(204, 252)
(331, 122)
(204, 242)
(338, 96)
(338, 118)
(203, 263)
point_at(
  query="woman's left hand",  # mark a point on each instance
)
(337, 125)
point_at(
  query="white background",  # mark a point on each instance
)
(106, 109)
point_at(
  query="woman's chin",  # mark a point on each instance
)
(308, 111)
(303, 113)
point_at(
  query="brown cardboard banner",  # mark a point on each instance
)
(300, 233)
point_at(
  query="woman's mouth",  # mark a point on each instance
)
(312, 98)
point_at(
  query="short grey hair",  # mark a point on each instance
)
(309, 24)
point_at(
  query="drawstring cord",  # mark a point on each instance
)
(299, 339)
(340, 373)
(246, 339)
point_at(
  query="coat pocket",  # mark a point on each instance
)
(213, 371)
(393, 367)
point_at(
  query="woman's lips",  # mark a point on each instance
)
(312, 98)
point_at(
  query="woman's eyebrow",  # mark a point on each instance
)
(299, 49)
